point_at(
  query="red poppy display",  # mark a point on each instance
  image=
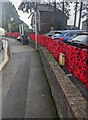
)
(76, 59)
(13, 34)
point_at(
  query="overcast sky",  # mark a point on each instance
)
(24, 16)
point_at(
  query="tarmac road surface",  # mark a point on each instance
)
(25, 89)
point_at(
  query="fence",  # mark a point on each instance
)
(76, 59)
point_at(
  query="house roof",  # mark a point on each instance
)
(48, 8)
(45, 7)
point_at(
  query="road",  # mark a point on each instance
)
(25, 89)
(1, 56)
(2, 52)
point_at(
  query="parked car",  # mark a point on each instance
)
(80, 40)
(52, 33)
(1, 44)
(65, 35)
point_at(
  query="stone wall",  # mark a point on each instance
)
(68, 99)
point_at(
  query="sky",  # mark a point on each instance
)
(24, 16)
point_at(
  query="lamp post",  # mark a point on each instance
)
(32, 5)
(35, 29)
(35, 19)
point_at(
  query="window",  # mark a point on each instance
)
(72, 34)
(81, 38)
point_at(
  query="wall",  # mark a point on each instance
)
(54, 19)
(66, 95)
(85, 25)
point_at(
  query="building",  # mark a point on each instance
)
(85, 25)
(48, 17)
(10, 16)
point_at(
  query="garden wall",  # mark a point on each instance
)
(69, 102)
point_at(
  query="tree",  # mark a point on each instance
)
(64, 7)
(85, 9)
(13, 27)
(30, 6)
(67, 9)
(80, 7)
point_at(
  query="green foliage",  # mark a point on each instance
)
(82, 8)
(50, 57)
(13, 27)
(66, 8)
(30, 31)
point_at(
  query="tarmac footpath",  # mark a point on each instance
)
(25, 89)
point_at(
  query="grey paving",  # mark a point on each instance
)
(25, 88)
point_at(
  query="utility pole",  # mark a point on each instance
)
(80, 14)
(87, 18)
(54, 5)
(55, 15)
(62, 14)
(75, 15)
(35, 17)
(63, 6)
(39, 22)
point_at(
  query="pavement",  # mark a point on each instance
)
(25, 89)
